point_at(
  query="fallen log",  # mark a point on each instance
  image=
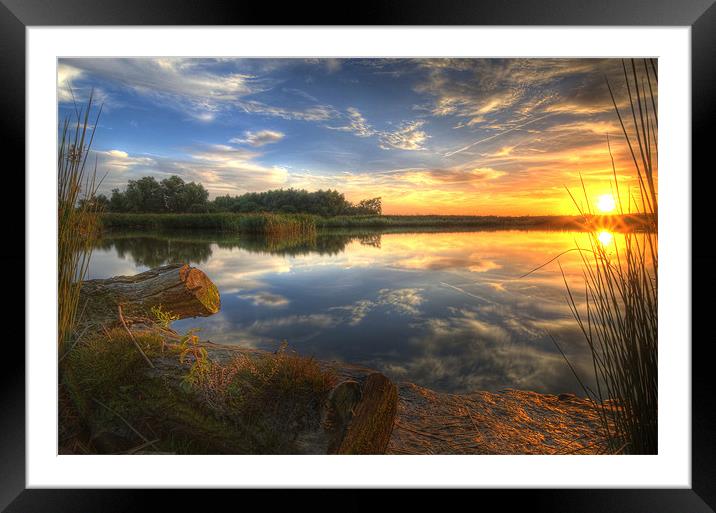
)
(178, 289)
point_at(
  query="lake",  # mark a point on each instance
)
(445, 310)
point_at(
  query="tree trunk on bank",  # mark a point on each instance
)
(355, 418)
(178, 289)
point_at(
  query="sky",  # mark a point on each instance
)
(429, 136)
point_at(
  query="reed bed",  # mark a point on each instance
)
(265, 224)
(278, 225)
(78, 216)
(632, 222)
(291, 224)
(620, 321)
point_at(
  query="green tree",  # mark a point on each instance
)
(144, 195)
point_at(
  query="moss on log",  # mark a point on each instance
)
(179, 289)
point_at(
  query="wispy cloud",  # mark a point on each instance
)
(312, 113)
(260, 138)
(404, 301)
(408, 136)
(479, 89)
(193, 85)
(494, 136)
(357, 124)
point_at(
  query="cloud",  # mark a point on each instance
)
(494, 136)
(357, 124)
(478, 90)
(265, 299)
(468, 350)
(260, 138)
(408, 136)
(185, 77)
(65, 75)
(432, 177)
(222, 169)
(70, 87)
(312, 113)
(333, 65)
(438, 263)
(199, 87)
(403, 301)
(356, 312)
(414, 190)
(119, 162)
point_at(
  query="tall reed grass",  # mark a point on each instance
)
(263, 224)
(620, 321)
(270, 223)
(77, 216)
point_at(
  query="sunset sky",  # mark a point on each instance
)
(430, 136)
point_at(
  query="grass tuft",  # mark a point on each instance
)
(271, 396)
(254, 404)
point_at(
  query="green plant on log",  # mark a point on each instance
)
(162, 317)
(189, 345)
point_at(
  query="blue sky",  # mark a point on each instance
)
(469, 136)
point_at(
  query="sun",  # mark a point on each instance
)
(605, 237)
(606, 204)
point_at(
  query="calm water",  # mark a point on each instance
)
(443, 310)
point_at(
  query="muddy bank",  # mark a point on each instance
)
(505, 422)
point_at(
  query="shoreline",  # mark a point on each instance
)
(306, 224)
(508, 421)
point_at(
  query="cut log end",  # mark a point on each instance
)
(202, 288)
(372, 423)
(178, 289)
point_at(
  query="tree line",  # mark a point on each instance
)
(174, 195)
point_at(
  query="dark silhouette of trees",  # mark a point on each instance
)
(324, 203)
(173, 195)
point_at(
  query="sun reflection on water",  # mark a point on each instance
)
(605, 237)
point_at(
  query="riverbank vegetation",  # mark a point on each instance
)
(267, 223)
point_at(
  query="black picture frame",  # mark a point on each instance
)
(700, 15)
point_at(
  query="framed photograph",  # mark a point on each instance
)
(418, 248)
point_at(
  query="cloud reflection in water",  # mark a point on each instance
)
(444, 310)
